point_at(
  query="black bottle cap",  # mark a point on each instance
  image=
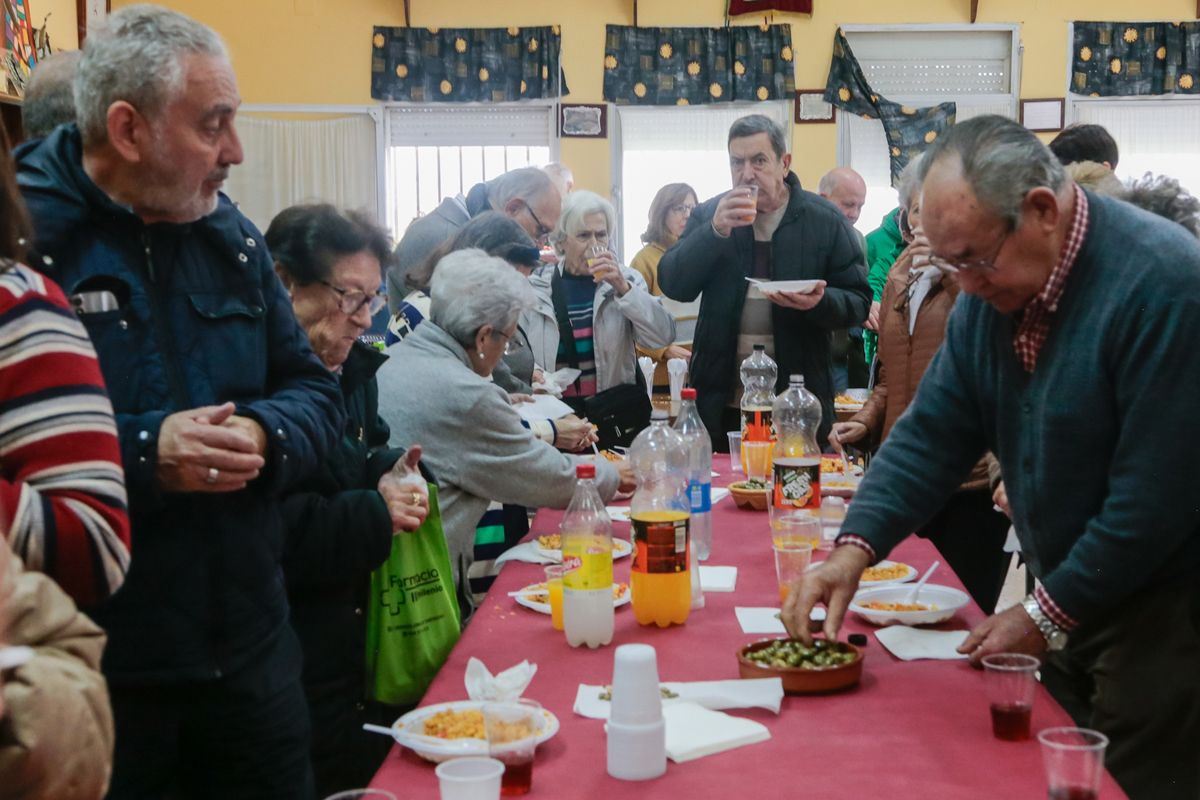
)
(857, 639)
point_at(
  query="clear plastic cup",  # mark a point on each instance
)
(1074, 762)
(735, 451)
(793, 554)
(1011, 683)
(757, 456)
(474, 778)
(752, 214)
(512, 730)
(362, 794)
(554, 588)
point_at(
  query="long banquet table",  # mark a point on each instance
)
(909, 729)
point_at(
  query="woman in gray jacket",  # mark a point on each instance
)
(591, 312)
(436, 389)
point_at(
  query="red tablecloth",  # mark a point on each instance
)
(910, 729)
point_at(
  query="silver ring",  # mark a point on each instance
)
(213, 474)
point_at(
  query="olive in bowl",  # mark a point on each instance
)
(823, 667)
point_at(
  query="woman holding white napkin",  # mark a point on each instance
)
(916, 302)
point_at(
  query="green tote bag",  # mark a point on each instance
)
(412, 615)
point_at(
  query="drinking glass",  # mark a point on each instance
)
(474, 778)
(1074, 758)
(554, 587)
(512, 731)
(735, 451)
(362, 794)
(752, 214)
(757, 456)
(1011, 681)
(793, 553)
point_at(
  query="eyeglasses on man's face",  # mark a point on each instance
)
(542, 230)
(351, 300)
(953, 265)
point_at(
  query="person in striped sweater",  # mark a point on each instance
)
(62, 489)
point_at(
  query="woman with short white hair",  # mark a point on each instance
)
(436, 389)
(591, 311)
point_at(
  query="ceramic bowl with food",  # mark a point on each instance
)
(750, 495)
(889, 605)
(803, 670)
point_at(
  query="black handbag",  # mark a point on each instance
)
(619, 414)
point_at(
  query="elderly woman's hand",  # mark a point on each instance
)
(405, 492)
(604, 267)
(574, 434)
(844, 433)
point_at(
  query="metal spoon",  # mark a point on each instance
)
(916, 590)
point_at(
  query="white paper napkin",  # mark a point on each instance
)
(694, 732)
(719, 494)
(543, 406)
(718, 579)
(505, 686)
(751, 693)
(556, 382)
(646, 364)
(764, 620)
(910, 644)
(523, 552)
(676, 374)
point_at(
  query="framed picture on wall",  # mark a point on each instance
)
(583, 120)
(1043, 114)
(811, 107)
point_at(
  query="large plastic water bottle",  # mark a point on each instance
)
(659, 577)
(797, 469)
(758, 373)
(699, 443)
(588, 564)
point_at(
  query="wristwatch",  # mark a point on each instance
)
(1056, 637)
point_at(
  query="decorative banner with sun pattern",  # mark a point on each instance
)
(691, 66)
(909, 130)
(461, 65)
(1114, 59)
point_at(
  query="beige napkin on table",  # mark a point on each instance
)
(694, 732)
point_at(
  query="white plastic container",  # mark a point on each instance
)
(637, 732)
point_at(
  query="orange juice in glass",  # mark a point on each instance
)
(554, 587)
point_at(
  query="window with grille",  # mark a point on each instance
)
(920, 65)
(435, 151)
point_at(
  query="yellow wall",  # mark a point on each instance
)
(61, 23)
(317, 51)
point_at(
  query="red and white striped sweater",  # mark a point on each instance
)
(62, 488)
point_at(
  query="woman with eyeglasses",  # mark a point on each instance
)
(437, 388)
(591, 312)
(915, 305)
(669, 212)
(341, 521)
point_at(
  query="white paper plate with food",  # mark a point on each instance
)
(550, 546)
(536, 597)
(887, 572)
(453, 730)
(769, 288)
(889, 605)
(839, 484)
(851, 400)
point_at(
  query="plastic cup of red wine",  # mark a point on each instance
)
(512, 730)
(1011, 684)
(1074, 761)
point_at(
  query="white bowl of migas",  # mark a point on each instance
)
(889, 605)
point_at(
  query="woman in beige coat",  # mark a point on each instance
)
(56, 728)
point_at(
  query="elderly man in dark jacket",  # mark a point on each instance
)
(766, 227)
(221, 407)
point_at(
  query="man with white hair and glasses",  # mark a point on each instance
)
(1058, 359)
(221, 408)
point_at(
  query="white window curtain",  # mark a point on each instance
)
(289, 161)
(669, 144)
(1156, 136)
(923, 66)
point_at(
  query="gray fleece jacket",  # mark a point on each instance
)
(471, 437)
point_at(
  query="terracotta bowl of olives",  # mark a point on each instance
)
(751, 495)
(823, 667)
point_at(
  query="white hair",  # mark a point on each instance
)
(471, 289)
(576, 206)
(137, 55)
(527, 184)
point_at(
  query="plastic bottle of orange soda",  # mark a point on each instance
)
(659, 513)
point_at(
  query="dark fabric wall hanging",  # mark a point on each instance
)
(760, 6)
(460, 65)
(690, 66)
(909, 130)
(1113, 59)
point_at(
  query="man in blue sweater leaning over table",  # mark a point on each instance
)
(1078, 325)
